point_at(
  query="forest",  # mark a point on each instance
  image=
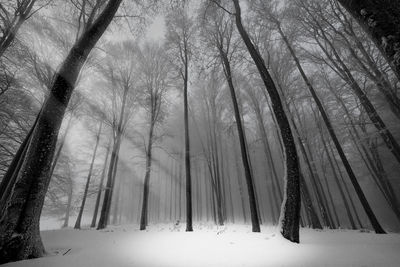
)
(199, 133)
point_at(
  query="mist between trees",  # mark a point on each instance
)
(258, 112)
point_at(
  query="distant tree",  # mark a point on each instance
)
(89, 176)
(180, 34)
(220, 33)
(118, 110)
(153, 72)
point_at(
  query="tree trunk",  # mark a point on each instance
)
(112, 170)
(19, 224)
(189, 223)
(146, 189)
(68, 209)
(255, 221)
(99, 192)
(79, 219)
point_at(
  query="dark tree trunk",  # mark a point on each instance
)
(146, 186)
(189, 223)
(99, 192)
(238, 176)
(19, 224)
(112, 170)
(79, 218)
(104, 213)
(381, 20)
(290, 213)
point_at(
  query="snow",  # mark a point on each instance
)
(233, 245)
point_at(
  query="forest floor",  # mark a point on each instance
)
(232, 245)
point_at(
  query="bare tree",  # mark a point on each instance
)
(179, 41)
(153, 77)
(381, 21)
(19, 224)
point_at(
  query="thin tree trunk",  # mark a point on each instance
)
(144, 213)
(189, 219)
(68, 208)
(79, 219)
(315, 223)
(255, 221)
(100, 190)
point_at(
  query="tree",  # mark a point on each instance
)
(119, 73)
(377, 227)
(179, 41)
(220, 32)
(79, 219)
(290, 212)
(100, 190)
(381, 21)
(19, 224)
(153, 77)
(13, 15)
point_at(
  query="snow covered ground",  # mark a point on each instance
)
(234, 245)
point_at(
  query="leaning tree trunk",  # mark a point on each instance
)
(381, 20)
(374, 221)
(19, 224)
(79, 219)
(255, 221)
(290, 212)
